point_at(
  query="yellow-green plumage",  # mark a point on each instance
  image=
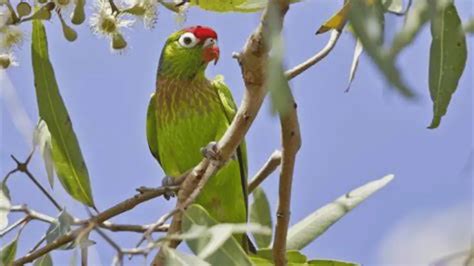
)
(186, 112)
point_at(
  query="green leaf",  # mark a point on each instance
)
(260, 214)
(365, 22)
(265, 257)
(448, 55)
(243, 6)
(8, 252)
(42, 139)
(337, 21)
(177, 258)
(61, 227)
(314, 225)
(393, 5)
(321, 262)
(45, 260)
(469, 26)
(68, 161)
(5, 205)
(416, 18)
(229, 253)
(359, 48)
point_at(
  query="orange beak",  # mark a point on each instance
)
(211, 53)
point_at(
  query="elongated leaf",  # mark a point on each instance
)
(364, 21)
(61, 227)
(229, 253)
(469, 26)
(393, 5)
(359, 48)
(243, 6)
(337, 21)
(8, 252)
(66, 153)
(45, 260)
(448, 55)
(416, 18)
(314, 225)
(5, 205)
(42, 139)
(265, 257)
(260, 214)
(177, 258)
(321, 262)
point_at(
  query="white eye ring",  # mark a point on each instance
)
(209, 42)
(187, 40)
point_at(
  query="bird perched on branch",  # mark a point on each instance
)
(187, 112)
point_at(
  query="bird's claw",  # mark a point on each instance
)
(210, 151)
(166, 182)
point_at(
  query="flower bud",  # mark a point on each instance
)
(5, 61)
(69, 33)
(23, 9)
(118, 42)
(78, 16)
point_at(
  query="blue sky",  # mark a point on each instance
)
(348, 138)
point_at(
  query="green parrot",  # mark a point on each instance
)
(187, 112)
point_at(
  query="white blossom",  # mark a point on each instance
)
(11, 36)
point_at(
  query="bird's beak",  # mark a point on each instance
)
(211, 53)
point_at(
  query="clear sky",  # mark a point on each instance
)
(348, 138)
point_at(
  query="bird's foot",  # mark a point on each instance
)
(210, 151)
(166, 182)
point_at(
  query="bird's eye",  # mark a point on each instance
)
(209, 42)
(188, 40)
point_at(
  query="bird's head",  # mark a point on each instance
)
(187, 52)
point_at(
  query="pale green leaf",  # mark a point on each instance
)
(337, 21)
(324, 262)
(8, 252)
(359, 48)
(229, 253)
(469, 26)
(448, 55)
(393, 5)
(314, 225)
(45, 260)
(66, 153)
(59, 228)
(42, 139)
(416, 18)
(260, 214)
(5, 205)
(177, 258)
(365, 22)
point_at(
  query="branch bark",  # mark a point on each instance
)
(267, 169)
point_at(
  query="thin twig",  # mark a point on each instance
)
(119, 208)
(14, 225)
(335, 34)
(38, 244)
(23, 167)
(267, 169)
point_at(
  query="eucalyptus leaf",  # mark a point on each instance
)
(59, 228)
(229, 253)
(315, 224)
(66, 153)
(448, 56)
(359, 48)
(5, 205)
(324, 262)
(260, 214)
(365, 21)
(45, 260)
(8, 252)
(469, 26)
(337, 21)
(42, 140)
(177, 258)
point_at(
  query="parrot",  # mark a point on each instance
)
(188, 111)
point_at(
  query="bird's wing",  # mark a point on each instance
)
(230, 109)
(151, 133)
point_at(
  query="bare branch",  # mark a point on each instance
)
(14, 225)
(267, 169)
(119, 208)
(335, 34)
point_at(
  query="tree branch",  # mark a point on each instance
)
(119, 208)
(335, 34)
(267, 169)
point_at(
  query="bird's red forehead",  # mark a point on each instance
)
(202, 32)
